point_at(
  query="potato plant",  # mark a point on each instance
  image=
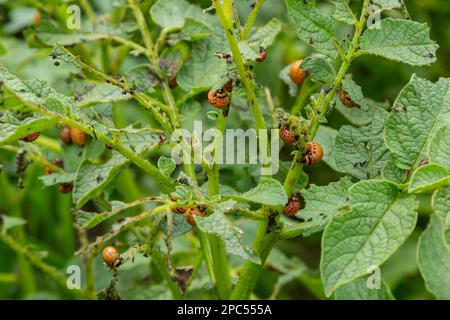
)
(94, 205)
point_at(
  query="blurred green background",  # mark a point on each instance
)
(47, 212)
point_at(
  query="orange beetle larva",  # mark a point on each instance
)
(346, 100)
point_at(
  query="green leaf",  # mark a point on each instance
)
(312, 27)
(433, 256)
(387, 4)
(343, 13)
(322, 203)
(268, 191)
(326, 137)
(101, 32)
(400, 40)
(166, 165)
(204, 70)
(91, 179)
(380, 221)
(180, 225)
(428, 178)
(261, 37)
(57, 178)
(37, 92)
(439, 150)
(358, 290)
(319, 68)
(420, 110)
(9, 222)
(88, 220)
(220, 225)
(13, 129)
(361, 151)
(441, 204)
(138, 140)
(355, 93)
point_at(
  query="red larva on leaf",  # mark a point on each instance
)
(314, 153)
(287, 136)
(65, 187)
(31, 137)
(346, 100)
(293, 205)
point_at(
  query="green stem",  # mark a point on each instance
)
(251, 18)
(244, 74)
(36, 261)
(220, 262)
(204, 244)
